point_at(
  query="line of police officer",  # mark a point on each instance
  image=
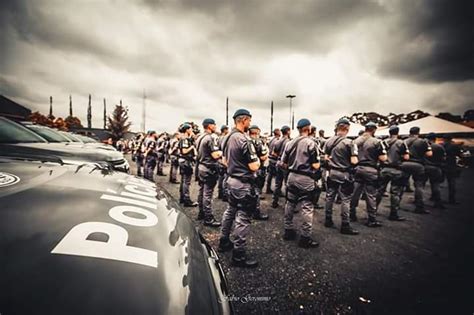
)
(349, 170)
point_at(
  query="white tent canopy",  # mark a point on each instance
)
(430, 124)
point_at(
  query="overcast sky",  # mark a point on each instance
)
(337, 56)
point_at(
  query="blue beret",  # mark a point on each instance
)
(343, 121)
(224, 127)
(393, 130)
(208, 121)
(370, 124)
(414, 130)
(285, 128)
(241, 112)
(185, 126)
(254, 127)
(303, 123)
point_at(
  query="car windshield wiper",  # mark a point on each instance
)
(32, 157)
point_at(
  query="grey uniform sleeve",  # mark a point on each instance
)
(248, 149)
(353, 148)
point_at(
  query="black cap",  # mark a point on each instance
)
(431, 136)
(241, 112)
(343, 121)
(208, 121)
(285, 128)
(254, 127)
(415, 130)
(394, 130)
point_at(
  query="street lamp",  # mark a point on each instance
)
(291, 107)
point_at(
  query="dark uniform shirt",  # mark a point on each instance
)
(150, 146)
(206, 145)
(340, 149)
(160, 145)
(369, 149)
(279, 146)
(271, 147)
(186, 143)
(300, 154)
(239, 151)
(418, 148)
(439, 156)
(452, 151)
(396, 149)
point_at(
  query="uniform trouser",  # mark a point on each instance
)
(366, 181)
(397, 179)
(242, 198)
(139, 161)
(435, 176)
(159, 165)
(417, 171)
(294, 199)
(343, 189)
(279, 178)
(451, 176)
(221, 184)
(206, 191)
(184, 186)
(174, 169)
(150, 164)
(271, 174)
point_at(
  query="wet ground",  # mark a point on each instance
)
(421, 266)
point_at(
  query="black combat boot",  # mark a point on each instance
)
(395, 217)
(289, 235)
(373, 223)
(211, 222)
(353, 217)
(260, 216)
(239, 259)
(439, 205)
(421, 210)
(200, 215)
(307, 242)
(328, 223)
(347, 229)
(225, 244)
(190, 203)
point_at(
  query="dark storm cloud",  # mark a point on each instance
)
(436, 43)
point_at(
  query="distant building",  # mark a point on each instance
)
(13, 110)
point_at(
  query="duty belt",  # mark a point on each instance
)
(367, 165)
(309, 174)
(245, 180)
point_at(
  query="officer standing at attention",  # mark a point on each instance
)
(280, 172)
(397, 152)
(174, 156)
(150, 155)
(160, 154)
(138, 153)
(242, 162)
(452, 171)
(208, 157)
(419, 150)
(434, 169)
(222, 169)
(301, 157)
(187, 153)
(272, 160)
(318, 175)
(370, 151)
(262, 153)
(340, 154)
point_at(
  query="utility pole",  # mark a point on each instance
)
(271, 119)
(144, 112)
(291, 106)
(105, 114)
(50, 107)
(70, 105)
(227, 111)
(89, 114)
(293, 121)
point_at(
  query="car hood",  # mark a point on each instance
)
(77, 239)
(64, 151)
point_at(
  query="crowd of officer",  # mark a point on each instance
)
(241, 162)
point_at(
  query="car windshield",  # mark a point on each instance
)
(86, 139)
(11, 132)
(49, 134)
(70, 136)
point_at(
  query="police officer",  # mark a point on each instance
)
(397, 152)
(174, 156)
(318, 174)
(160, 154)
(208, 156)
(452, 171)
(262, 153)
(150, 155)
(138, 153)
(272, 160)
(340, 154)
(370, 151)
(280, 172)
(434, 169)
(222, 168)
(301, 157)
(242, 162)
(415, 166)
(187, 154)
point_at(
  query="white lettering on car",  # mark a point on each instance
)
(76, 241)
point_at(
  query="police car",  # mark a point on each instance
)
(17, 139)
(80, 239)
